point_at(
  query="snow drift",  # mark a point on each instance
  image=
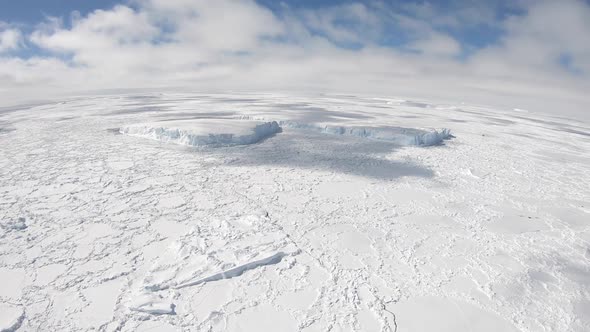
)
(398, 135)
(205, 132)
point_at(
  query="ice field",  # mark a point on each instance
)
(268, 212)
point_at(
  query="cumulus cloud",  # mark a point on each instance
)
(548, 31)
(541, 60)
(10, 38)
(348, 23)
(437, 45)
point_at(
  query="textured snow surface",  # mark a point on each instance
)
(205, 132)
(305, 230)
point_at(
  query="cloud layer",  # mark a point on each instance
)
(540, 58)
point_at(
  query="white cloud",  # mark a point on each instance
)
(10, 38)
(226, 25)
(100, 31)
(437, 44)
(348, 23)
(230, 44)
(548, 30)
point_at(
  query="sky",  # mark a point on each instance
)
(528, 54)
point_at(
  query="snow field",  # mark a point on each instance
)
(305, 230)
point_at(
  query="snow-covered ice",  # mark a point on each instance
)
(340, 220)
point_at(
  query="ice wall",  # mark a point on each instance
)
(398, 135)
(205, 133)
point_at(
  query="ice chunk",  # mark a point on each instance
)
(11, 317)
(15, 225)
(190, 261)
(152, 304)
(205, 132)
(398, 135)
(238, 270)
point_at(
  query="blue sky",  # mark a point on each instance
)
(28, 13)
(33, 11)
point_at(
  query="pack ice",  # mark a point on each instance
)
(340, 222)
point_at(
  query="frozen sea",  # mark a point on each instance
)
(267, 212)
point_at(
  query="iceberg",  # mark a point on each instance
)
(397, 135)
(205, 132)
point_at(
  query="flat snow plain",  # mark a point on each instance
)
(357, 216)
